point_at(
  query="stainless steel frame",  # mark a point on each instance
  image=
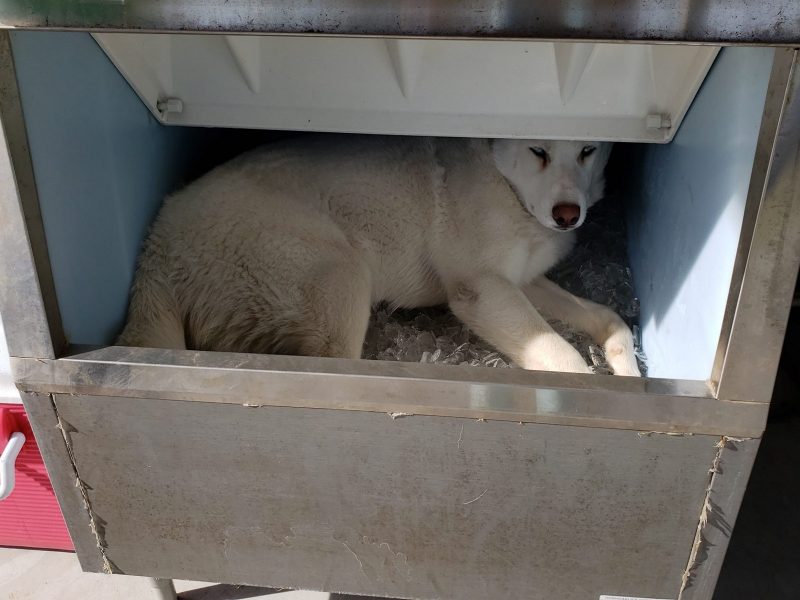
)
(770, 248)
(733, 21)
(27, 295)
(733, 403)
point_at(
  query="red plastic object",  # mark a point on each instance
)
(30, 516)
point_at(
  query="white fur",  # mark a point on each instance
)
(286, 248)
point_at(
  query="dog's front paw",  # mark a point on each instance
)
(621, 356)
(629, 369)
(553, 353)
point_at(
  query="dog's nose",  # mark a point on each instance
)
(566, 215)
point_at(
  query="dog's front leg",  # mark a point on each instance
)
(604, 325)
(499, 312)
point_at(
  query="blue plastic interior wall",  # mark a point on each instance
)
(103, 165)
(685, 207)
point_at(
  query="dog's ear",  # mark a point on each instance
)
(604, 152)
(496, 148)
(598, 181)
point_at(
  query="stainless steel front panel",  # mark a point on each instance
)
(414, 507)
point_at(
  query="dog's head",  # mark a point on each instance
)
(556, 181)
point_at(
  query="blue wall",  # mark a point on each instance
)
(102, 164)
(685, 208)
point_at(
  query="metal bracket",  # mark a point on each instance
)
(169, 105)
(658, 121)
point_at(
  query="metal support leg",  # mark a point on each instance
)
(165, 589)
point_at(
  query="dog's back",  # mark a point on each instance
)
(285, 249)
(249, 257)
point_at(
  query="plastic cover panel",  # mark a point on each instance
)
(624, 92)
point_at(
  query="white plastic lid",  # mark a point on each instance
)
(476, 88)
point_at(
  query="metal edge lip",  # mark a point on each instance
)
(555, 38)
(336, 367)
(559, 37)
(397, 396)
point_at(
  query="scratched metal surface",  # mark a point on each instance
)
(416, 507)
(733, 21)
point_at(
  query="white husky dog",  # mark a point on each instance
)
(286, 248)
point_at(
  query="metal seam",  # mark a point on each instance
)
(707, 508)
(101, 545)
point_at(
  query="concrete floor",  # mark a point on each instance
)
(38, 575)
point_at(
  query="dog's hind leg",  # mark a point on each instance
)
(153, 319)
(604, 325)
(499, 312)
(339, 302)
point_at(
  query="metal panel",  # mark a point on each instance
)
(422, 507)
(44, 422)
(728, 480)
(400, 388)
(739, 21)
(762, 309)
(27, 295)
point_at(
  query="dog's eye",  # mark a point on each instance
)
(540, 153)
(587, 151)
